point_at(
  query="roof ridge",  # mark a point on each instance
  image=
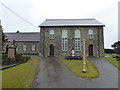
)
(21, 32)
(71, 19)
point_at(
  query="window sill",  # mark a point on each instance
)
(77, 51)
(64, 51)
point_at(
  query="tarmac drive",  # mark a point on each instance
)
(53, 74)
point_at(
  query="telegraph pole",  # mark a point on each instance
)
(84, 62)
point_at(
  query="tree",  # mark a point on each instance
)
(2, 37)
(116, 47)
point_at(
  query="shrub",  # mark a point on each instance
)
(4, 56)
(19, 54)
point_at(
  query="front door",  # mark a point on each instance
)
(90, 50)
(51, 50)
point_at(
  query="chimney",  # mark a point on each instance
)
(17, 32)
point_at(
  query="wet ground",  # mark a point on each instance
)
(53, 74)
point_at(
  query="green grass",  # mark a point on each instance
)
(112, 60)
(75, 66)
(20, 76)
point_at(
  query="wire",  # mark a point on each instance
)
(17, 15)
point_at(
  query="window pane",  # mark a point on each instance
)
(77, 40)
(33, 47)
(77, 33)
(90, 33)
(24, 47)
(51, 36)
(64, 33)
(64, 40)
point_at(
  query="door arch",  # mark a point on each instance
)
(90, 50)
(51, 49)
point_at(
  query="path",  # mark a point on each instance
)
(53, 74)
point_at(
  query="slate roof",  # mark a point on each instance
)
(26, 36)
(71, 22)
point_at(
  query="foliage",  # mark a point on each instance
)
(3, 39)
(19, 54)
(116, 47)
(109, 51)
(20, 76)
(109, 58)
(4, 56)
(75, 66)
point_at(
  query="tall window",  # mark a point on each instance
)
(51, 34)
(64, 40)
(33, 47)
(90, 33)
(24, 47)
(77, 40)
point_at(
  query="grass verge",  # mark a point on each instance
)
(112, 60)
(75, 66)
(20, 76)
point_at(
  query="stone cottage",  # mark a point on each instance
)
(26, 42)
(58, 37)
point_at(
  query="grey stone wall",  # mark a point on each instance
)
(97, 41)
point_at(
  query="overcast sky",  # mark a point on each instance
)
(36, 11)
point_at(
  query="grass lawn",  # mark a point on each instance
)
(20, 76)
(112, 60)
(75, 66)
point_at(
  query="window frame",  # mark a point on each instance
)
(51, 34)
(64, 40)
(90, 34)
(77, 43)
(24, 47)
(33, 47)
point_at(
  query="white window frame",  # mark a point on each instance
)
(51, 34)
(90, 34)
(33, 47)
(77, 40)
(64, 40)
(24, 47)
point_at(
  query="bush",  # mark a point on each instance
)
(4, 56)
(19, 54)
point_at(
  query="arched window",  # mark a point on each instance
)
(77, 40)
(64, 33)
(51, 36)
(90, 33)
(64, 40)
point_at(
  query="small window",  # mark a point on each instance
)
(16, 48)
(90, 33)
(33, 47)
(24, 47)
(51, 36)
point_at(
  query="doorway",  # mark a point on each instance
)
(51, 50)
(90, 50)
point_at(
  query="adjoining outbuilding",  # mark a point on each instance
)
(58, 37)
(25, 42)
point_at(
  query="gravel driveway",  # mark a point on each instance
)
(53, 74)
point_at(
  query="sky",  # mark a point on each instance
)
(36, 11)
